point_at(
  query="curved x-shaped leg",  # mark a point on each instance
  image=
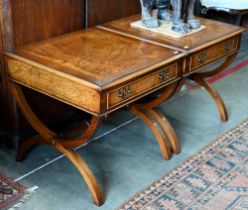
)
(200, 79)
(71, 143)
(157, 122)
(27, 145)
(216, 97)
(167, 128)
(49, 137)
(156, 130)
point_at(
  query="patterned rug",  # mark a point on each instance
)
(215, 178)
(10, 192)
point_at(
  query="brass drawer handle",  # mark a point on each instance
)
(228, 46)
(164, 75)
(202, 57)
(125, 92)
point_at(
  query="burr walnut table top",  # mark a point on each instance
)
(96, 56)
(99, 71)
(214, 42)
(86, 68)
(213, 33)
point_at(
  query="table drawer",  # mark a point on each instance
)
(213, 53)
(142, 85)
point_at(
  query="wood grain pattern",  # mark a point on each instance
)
(42, 19)
(55, 85)
(107, 10)
(95, 55)
(82, 67)
(213, 53)
(144, 84)
(214, 32)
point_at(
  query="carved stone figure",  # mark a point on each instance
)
(183, 14)
(163, 13)
(147, 5)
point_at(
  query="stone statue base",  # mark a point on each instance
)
(164, 29)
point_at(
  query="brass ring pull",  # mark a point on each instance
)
(202, 57)
(125, 92)
(164, 75)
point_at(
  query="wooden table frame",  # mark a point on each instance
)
(200, 79)
(64, 146)
(146, 111)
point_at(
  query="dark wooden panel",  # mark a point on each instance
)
(23, 22)
(41, 19)
(100, 11)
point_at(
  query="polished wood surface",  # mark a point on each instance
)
(42, 19)
(218, 40)
(155, 80)
(88, 69)
(95, 55)
(100, 70)
(213, 53)
(214, 32)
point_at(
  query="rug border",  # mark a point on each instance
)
(16, 198)
(185, 161)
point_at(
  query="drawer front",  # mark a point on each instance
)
(142, 85)
(213, 53)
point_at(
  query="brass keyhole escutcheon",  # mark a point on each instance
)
(228, 46)
(125, 92)
(164, 75)
(202, 57)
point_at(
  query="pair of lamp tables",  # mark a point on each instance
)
(102, 69)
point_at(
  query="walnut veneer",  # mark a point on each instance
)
(89, 69)
(218, 40)
(103, 69)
